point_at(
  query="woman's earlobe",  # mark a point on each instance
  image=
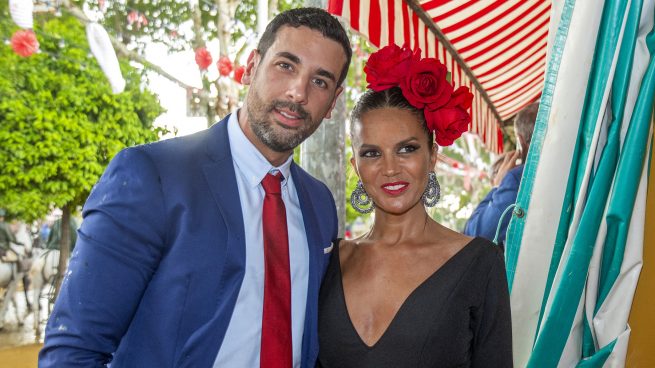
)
(353, 163)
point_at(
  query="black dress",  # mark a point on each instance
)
(458, 317)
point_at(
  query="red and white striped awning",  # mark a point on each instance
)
(497, 48)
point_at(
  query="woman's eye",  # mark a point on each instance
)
(407, 149)
(369, 154)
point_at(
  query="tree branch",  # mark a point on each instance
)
(122, 49)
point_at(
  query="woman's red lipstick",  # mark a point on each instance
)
(395, 188)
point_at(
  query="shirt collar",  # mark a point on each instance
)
(252, 164)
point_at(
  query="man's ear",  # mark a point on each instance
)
(523, 148)
(334, 102)
(251, 67)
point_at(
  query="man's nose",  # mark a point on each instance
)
(297, 90)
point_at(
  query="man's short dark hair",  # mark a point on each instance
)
(524, 123)
(312, 18)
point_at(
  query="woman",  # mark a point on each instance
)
(411, 292)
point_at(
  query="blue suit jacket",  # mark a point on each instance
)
(160, 259)
(485, 217)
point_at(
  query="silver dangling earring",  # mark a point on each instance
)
(360, 200)
(432, 192)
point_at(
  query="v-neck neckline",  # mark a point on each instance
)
(404, 303)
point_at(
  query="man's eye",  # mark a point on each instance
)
(408, 149)
(284, 65)
(321, 83)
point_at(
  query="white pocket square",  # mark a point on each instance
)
(328, 249)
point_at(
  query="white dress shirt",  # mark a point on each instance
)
(242, 342)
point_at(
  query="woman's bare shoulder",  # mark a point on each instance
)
(346, 247)
(451, 240)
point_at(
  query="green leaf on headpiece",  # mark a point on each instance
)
(449, 77)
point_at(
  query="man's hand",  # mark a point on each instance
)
(509, 162)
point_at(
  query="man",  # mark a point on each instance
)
(6, 237)
(177, 264)
(485, 218)
(54, 236)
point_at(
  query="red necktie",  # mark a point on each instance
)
(276, 351)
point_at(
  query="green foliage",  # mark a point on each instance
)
(356, 79)
(246, 15)
(59, 122)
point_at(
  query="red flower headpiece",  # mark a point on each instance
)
(424, 83)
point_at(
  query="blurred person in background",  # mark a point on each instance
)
(506, 181)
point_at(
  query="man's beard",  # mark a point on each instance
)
(280, 139)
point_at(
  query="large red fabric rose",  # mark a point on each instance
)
(24, 43)
(224, 66)
(203, 58)
(388, 66)
(452, 120)
(426, 84)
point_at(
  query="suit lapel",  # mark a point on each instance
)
(221, 178)
(315, 247)
(308, 214)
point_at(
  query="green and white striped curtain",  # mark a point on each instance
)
(574, 244)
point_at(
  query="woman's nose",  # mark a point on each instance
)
(390, 166)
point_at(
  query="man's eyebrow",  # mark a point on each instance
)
(295, 59)
(289, 56)
(326, 74)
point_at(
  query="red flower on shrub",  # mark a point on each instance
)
(224, 66)
(203, 58)
(24, 43)
(238, 74)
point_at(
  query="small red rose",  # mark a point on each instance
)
(203, 58)
(24, 43)
(448, 124)
(462, 97)
(452, 120)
